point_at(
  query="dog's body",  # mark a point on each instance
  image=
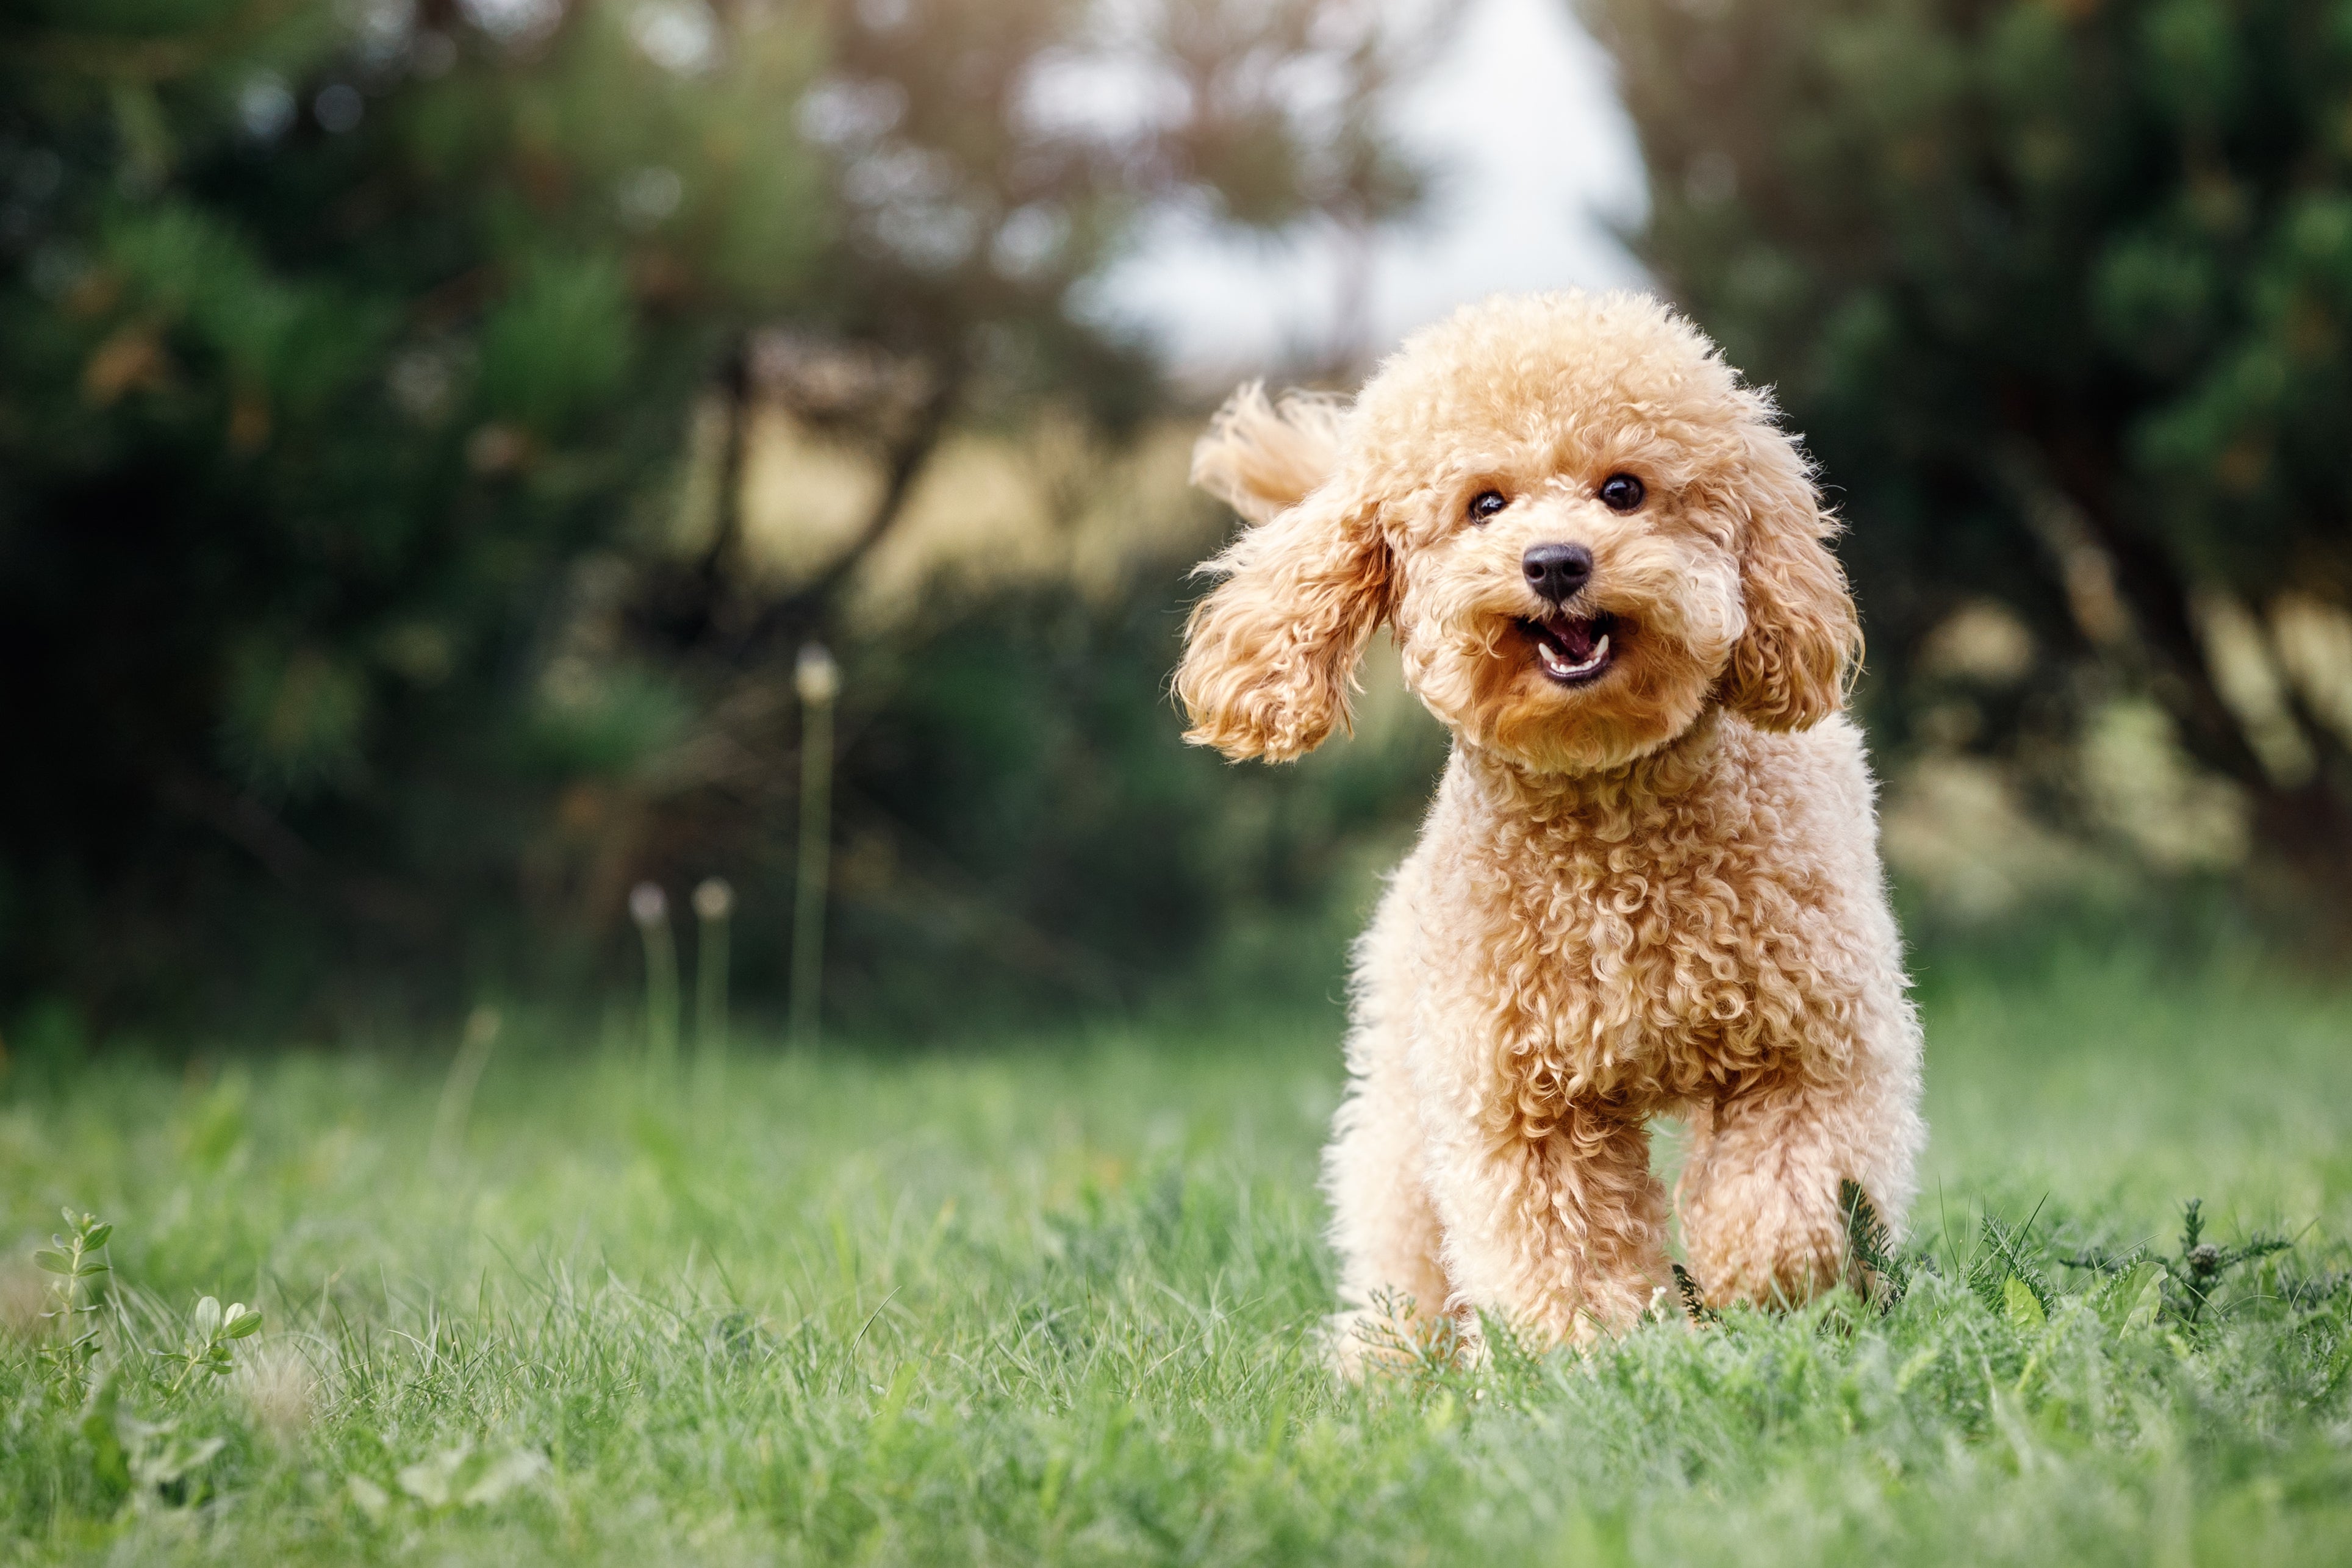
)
(1648, 883)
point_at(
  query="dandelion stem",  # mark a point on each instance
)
(714, 906)
(819, 682)
(650, 909)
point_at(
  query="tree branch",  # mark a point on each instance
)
(804, 608)
(722, 558)
(907, 457)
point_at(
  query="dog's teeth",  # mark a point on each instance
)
(1556, 663)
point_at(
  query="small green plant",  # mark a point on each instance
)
(2197, 1272)
(211, 1332)
(1693, 1298)
(2006, 1275)
(74, 1257)
(1881, 1277)
(1395, 1333)
(2192, 1275)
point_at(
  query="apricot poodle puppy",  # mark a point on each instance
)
(1649, 884)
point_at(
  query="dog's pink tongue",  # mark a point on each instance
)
(1575, 638)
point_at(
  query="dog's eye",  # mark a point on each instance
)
(1485, 504)
(1621, 492)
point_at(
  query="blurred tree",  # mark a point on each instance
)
(2059, 293)
(349, 351)
(986, 162)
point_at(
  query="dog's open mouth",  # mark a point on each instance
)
(1571, 649)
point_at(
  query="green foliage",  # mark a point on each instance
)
(555, 349)
(310, 413)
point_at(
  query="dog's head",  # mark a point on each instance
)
(1583, 529)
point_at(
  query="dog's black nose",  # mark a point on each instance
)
(1556, 571)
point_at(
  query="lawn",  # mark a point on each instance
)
(1056, 1300)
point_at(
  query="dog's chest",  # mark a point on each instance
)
(1643, 956)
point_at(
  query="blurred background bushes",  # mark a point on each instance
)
(430, 430)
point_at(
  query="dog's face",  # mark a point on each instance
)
(1583, 530)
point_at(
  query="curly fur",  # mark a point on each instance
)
(1655, 894)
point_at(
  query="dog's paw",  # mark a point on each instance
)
(1758, 1241)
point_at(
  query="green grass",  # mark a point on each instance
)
(1057, 1302)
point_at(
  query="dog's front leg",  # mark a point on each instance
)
(1558, 1231)
(1384, 1228)
(1759, 1199)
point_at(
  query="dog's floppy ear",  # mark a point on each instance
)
(1789, 670)
(1259, 456)
(1270, 655)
